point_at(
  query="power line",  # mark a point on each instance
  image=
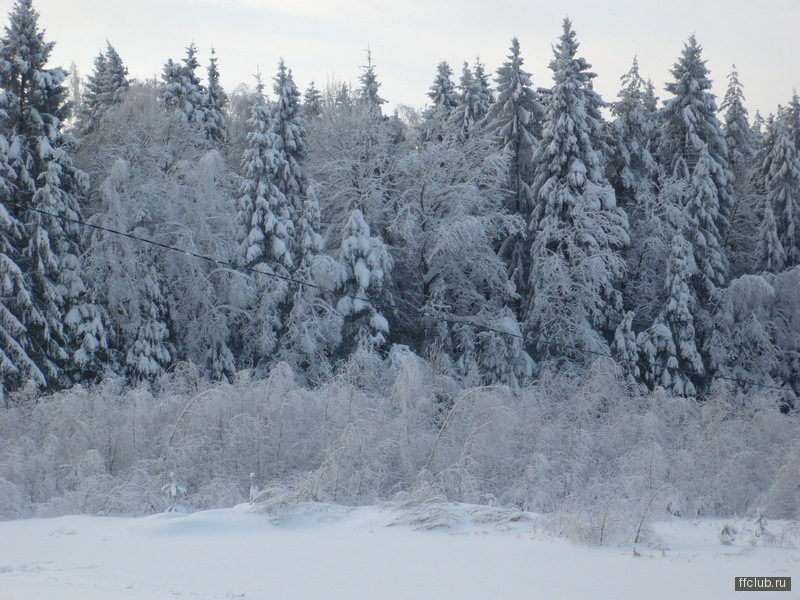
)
(453, 319)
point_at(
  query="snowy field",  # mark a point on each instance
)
(330, 552)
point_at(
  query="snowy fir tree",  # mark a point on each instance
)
(18, 359)
(791, 118)
(770, 256)
(475, 99)
(632, 168)
(779, 176)
(633, 172)
(266, 214)
(483, 97)
(578, 231)
(741, 143)
(104, 88)
(692, 146)
(366, 264)
(757, 129)
(368, 91)
(443, 92)
(702, 208)
(287, 128)
(668, 348)
(150, 354)
(182, 91)
(463, 116)
(738, 133)
(516, 121)
(215, 101)
(625, 350)
(314, 326)
(312, 102)
(64, 329)
(444, 100)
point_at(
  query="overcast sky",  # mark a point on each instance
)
(326, 39)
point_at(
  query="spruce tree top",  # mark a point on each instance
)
(312, 102)
(792, 118)
(217, 96)
(37, 100)
(288, 129)
(105, 87)
(569, 155)
(518, 111)
(287, 118)
(690, 117)
(738, 134)
(633, 129)
(443, 92)
(369, 85)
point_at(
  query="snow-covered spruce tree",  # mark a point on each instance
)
(483, 97)
(312, 102)
(365, 263)
(475, 99)
(779, 176)
(463, 117)
(741, 143)
(515, 119)
(450, 221)
(368, 91)
(267, 233)
(757, 128)
(632, 169)
(791, 117)
(578, 231)
(287, 127)
(150, 353)
(215, 101)
(63, 335)
(738, 133)
(444, 100)
(266, 207)
(625, 350)
(770, 256)
(701, 208)
(313, 327)
(182, 91)
(668, 348)
(18, 359)
(692, 146)
(105, 88)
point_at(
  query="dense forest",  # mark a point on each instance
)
(529, 293)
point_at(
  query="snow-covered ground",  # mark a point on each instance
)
(330, 552)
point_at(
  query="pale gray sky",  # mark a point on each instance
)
(323, 40)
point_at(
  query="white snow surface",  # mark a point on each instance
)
(372, 553)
